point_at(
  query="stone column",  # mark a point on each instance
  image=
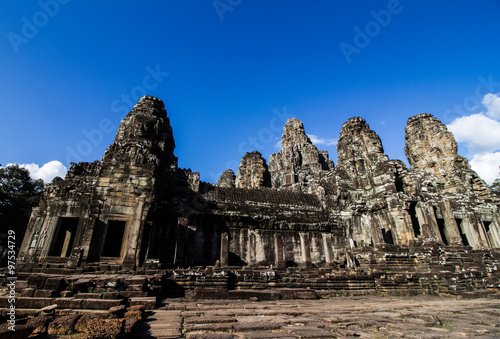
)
(251, 247)
(305, 246)
(190, 244)
(327, 244)
(31, 238)
(179, 256)
(402, 232)
(483, 237)
(278, 251)
(474, 231)
(494, 233)
(450, 225)
(48, 234)
(224, 250)
(131, 236)
(427, 222)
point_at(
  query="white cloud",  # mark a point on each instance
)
(479, 132)
(481, 135)
(278, 145)
(47, 172)
(322, 141)
(487, 166)
(492, 103)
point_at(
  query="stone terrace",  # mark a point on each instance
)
(365, 317)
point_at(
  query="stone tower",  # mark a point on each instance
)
(99, 211)
(432, 150)
(299, 164)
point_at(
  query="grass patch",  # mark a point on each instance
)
(444, 324)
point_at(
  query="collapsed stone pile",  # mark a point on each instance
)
(117, 322)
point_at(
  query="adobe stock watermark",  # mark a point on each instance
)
(31, 26)
(93, 138)
(257, 142)
(473, 101)
(363, 36)
(223, 6)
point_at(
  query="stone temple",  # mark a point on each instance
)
(298, 221)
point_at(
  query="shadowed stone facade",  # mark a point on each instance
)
(136, 210)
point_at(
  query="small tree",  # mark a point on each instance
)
(19, 193)
(495, 187)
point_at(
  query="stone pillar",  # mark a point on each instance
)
(260, 253)
(179, 256)
(131, 236)
(48, 234)
(327, 244)
(251, 248)
(224, 250)
(484, 240)
(214, 246)
(305, 246)
(428, 224)
(31, 237)
(474, 231)
(402, 231)
(278, 251)
(190, 244)
(450, 225)
(494, 233)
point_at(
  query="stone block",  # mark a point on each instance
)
(20, 285)
(4, 302)
(66, 294)
(83, 285)
(209, 320)
(130, 325)
(69, 303)
(149, 303)
(207, 293)
(89, 295)
(135, 281)
(215, 335)
(208, 327)
(63, 325)
(290, 293)
(54, 284)
(111, 295)
(100, 304)
(36, 281)
(247, 294)
(27, 292)
(49, 309)
(39, 324)
(136, 287)
(133, 294)
(256, 326)
(26, 302)
(82, 325)
(44, 293)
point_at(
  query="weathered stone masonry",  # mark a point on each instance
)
(135, 210)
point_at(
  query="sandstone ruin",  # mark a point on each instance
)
(367, 224)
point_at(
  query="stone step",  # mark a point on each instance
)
(161, 324)
(93, 304)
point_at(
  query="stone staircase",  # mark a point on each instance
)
(161, 324)
(83, 291)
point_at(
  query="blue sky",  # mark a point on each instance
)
(231, 71)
